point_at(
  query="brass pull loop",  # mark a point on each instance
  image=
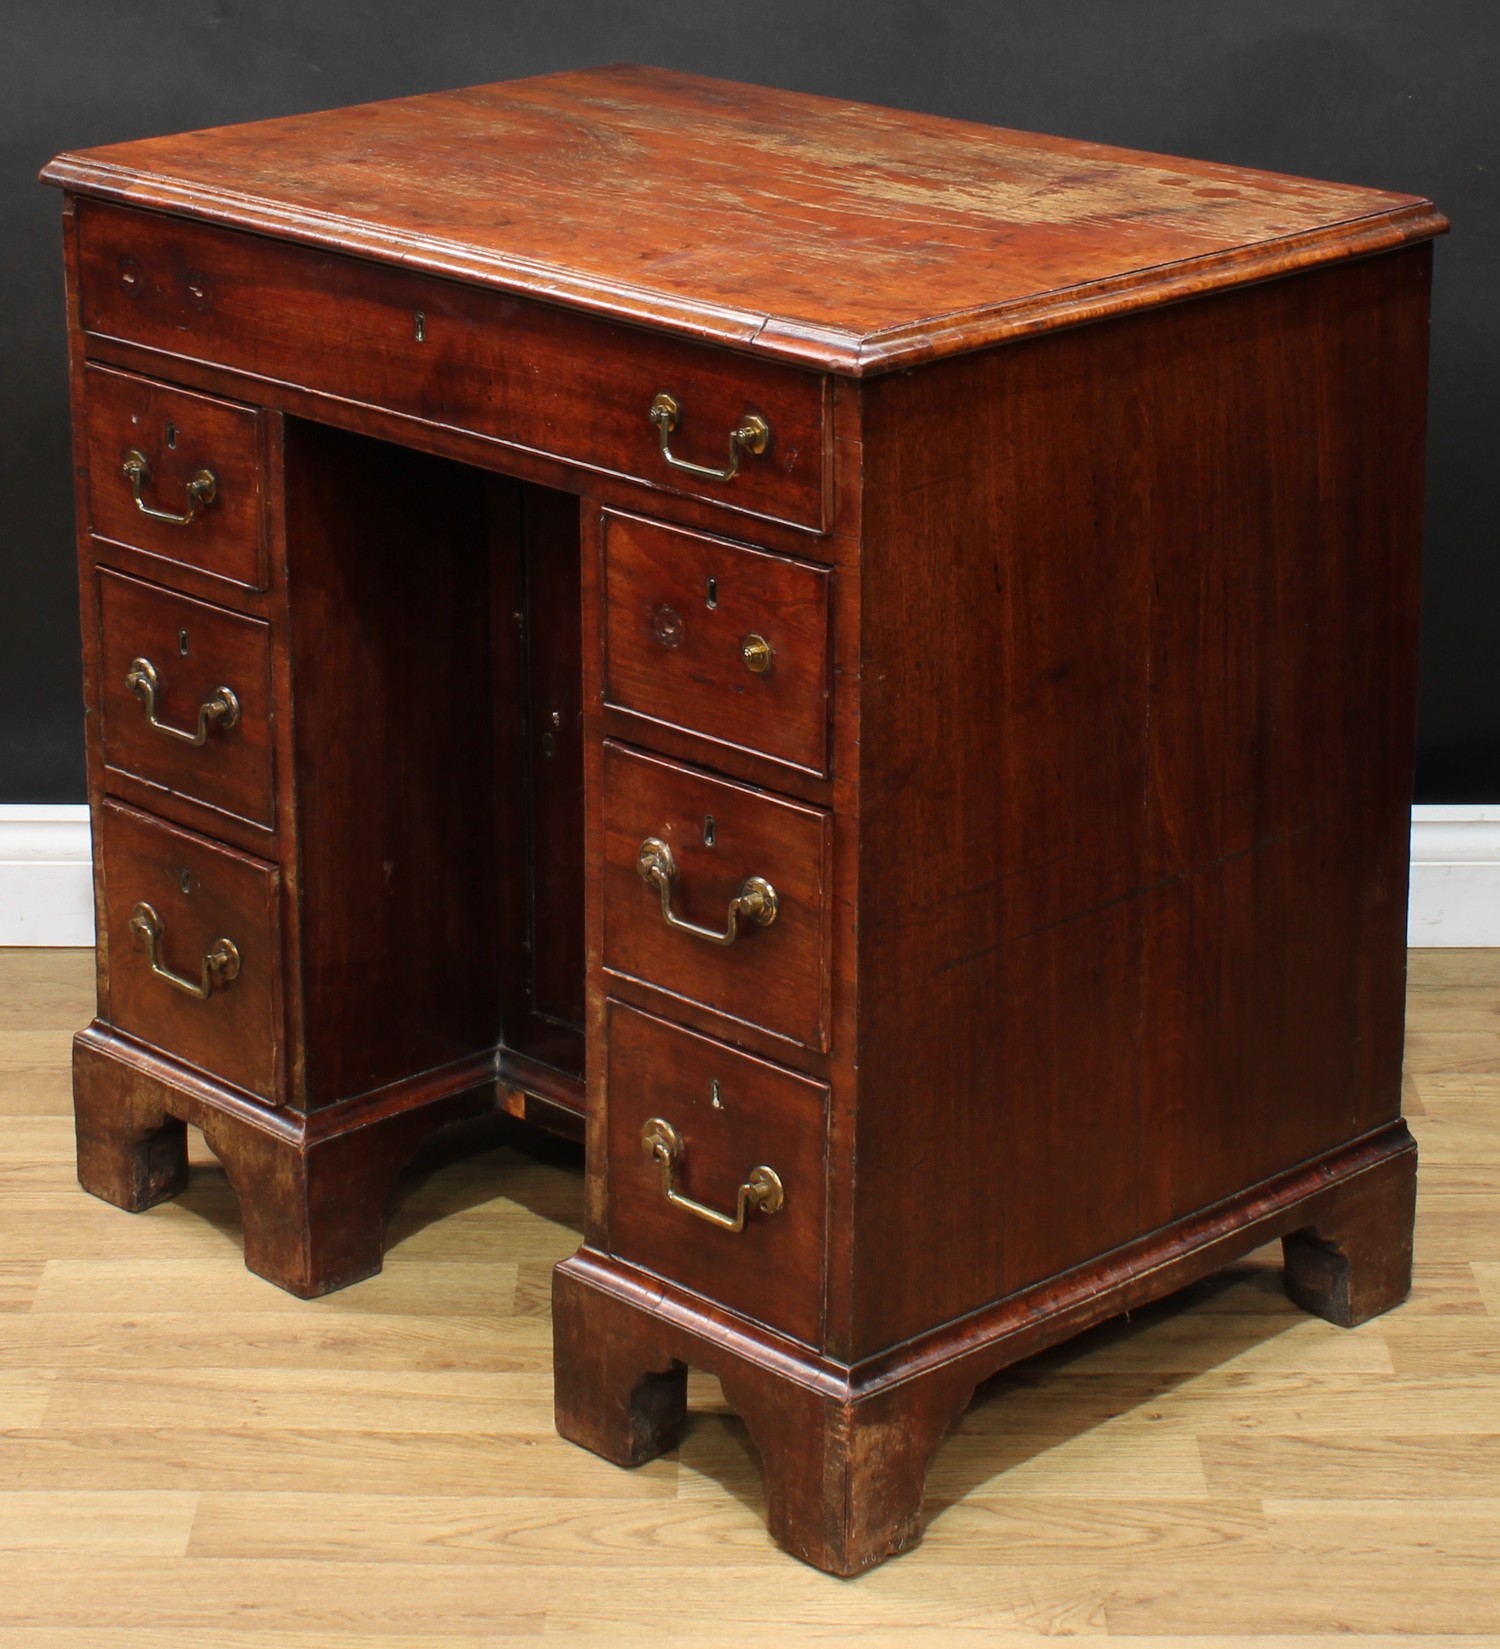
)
(755, 899)
(753, 435)
(223, 709)
(220, 965)
(762, 1188)
(202, 489)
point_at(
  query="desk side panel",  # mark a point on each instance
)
(88, 595)
(1137, 707)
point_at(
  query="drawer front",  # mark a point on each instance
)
(192, 896)
(719, 639)
(726, 1115)
(185, 692)
(179, 437)
(774, 975)
(534, 374)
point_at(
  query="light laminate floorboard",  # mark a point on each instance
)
(190, 1459)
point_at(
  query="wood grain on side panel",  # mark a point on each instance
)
(1135, 834)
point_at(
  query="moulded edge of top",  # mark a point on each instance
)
(782, 338)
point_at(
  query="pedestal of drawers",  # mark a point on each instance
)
(1089, 977)
(294, 737)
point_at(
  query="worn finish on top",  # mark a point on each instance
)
(837, 234)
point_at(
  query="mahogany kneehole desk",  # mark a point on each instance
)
(870, 658)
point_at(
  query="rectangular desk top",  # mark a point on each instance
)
(827, 233)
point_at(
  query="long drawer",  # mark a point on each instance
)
(535, 375)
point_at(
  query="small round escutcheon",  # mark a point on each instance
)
(667, 626)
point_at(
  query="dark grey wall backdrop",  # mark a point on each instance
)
(1391, 93)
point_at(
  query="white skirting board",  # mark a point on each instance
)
(1455, 875)
(46, 876)
(46, 887)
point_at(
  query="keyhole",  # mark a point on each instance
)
(186, 882)
(419, 327)
(708, 830)
(713, 593)
(716, 1094)
(171, 435)
(182, 643)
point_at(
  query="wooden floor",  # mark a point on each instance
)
(190, 1459)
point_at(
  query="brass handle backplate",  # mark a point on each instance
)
(202, 489)
(222, 710)
(220, 965)
(753, 435)
(755, 899)
(762, 1188)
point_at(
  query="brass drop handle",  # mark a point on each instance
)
(222, 710)
(753, 435)
(220, 965)
(202, 489)
(762, 1188)
(755, 899)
